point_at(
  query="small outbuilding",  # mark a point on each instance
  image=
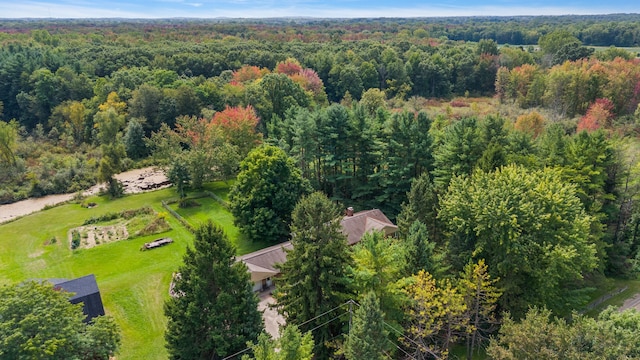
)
(85, 290)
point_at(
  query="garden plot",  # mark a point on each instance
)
(93, 235)
(112, 227)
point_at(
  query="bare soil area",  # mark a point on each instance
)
(92, 235)
(134, 181)
(631, 303)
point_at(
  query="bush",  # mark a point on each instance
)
(126, 214)
(158, 225)
(75, 239)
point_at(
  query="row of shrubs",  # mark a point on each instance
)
(126, 214)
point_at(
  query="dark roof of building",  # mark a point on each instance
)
(261, 263)
(81, 287)
(268, 257)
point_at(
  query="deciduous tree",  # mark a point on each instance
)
(8, 138)
(531, 229)
(480, 296)
(435, 317)
(379, 267)
(265, 192)
(39, 322)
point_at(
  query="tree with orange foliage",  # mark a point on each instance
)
(599, 114)
(249, 73)
(531, 123)
(238, 127)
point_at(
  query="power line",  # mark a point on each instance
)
(350, 311)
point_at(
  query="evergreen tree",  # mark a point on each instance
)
(134, 140)
(421, 205)
(407, 153)
(421, 253)
(292, 345)
(214, 312)
(315, 277)
(367, 337)
(458, 153)
(492, 158)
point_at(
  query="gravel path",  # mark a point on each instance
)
(134, 181)
(631, 303)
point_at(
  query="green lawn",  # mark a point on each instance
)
(133, 283)
(210, 209)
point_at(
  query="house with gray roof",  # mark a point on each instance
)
(261, 263)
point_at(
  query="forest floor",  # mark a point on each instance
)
(134, 181)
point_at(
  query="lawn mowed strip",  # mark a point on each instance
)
(134, 284)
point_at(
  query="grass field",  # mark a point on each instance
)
(133, 283)
(210, 209)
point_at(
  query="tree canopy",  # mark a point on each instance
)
(315, 278)
(38, 322)
(531, 229)
(265, 192)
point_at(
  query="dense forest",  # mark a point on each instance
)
(506, 140)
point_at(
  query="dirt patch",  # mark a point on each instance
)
(92, 235)
(133, 181)
(36, 254)
(631, 303)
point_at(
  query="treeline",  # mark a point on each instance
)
(621, 30)
(574, 88)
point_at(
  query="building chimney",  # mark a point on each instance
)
(350, 211)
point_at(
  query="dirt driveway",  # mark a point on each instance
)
(134, 181)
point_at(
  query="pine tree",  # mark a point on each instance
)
(315, 277)
(460, 149)
(421, 253)
(215, 311)
(367, 338)
(292, 345)
(422, 205)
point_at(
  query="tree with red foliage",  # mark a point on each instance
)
(599, 114)
(289, 67)
(309, 80)
(238, 127)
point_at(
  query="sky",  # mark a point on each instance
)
(305, 8)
